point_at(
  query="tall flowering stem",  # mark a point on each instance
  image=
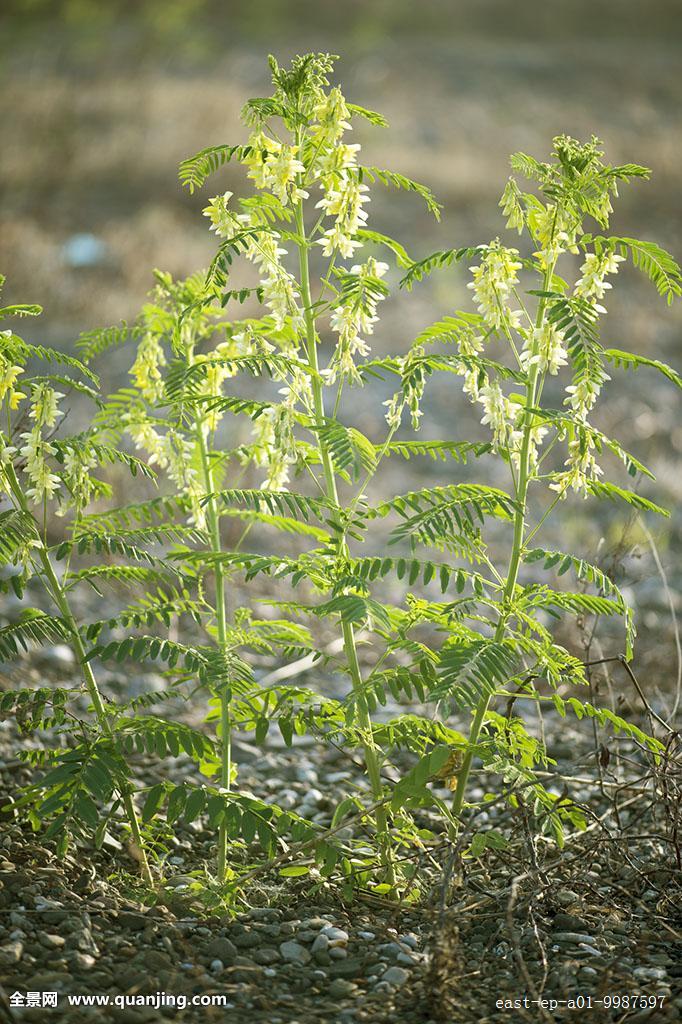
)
(576, 185)
(56, 471)
(350, 648)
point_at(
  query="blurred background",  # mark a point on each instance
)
(100, 101)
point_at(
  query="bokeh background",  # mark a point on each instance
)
(100, 101)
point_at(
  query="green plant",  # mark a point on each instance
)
(188, 352)
(497, 646)
(45, 473)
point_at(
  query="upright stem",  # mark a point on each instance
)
(103, 718)
(532, 394)
(221, 623)
(349, 642)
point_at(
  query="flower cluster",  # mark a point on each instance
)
(261, 247)
(9, 373)
(345, 203)
(354, 317)
(44, 412)
(146, 370)
(411, 393)
(592, 285)
(170, 452)
(275, 166)
(493, 285)
(545, 348)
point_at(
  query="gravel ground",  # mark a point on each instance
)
(598, 919)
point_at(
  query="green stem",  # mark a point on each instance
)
(532, 397)
(221, 623)
(349, 642)
(101, 713)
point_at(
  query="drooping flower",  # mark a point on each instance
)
(146, 370)
(354, 318)
(498, 412)
(493, 284)
(592, 285)
(344, 202)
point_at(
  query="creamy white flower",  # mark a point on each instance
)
(493, 284)
(498, 412)
(351, 320)
(36, 451)
(592, 284)
(146, 370)
(544, 348)
(581, 470)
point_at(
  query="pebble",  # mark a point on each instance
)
(294, 953)
(339, 988)
(573, 938)
(335, 934)
(266, 956)
(11, 953)
(395, 976)
(223, 949)
(650, 973)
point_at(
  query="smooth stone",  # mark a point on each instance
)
(221, 948)
(51, 941)
(573, 938)
(294, 952)
(367, 936)
(266, 956)
(320, 944)
(247, 940)
(339, 988)
(11, 953)
(395, 977)
(338, 952)
(650, 973)
(335, 934)
(82, 961)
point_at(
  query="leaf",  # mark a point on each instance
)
(615, 493)
(658, 265)
(194, 170)
(153, 801)
(470, 672)
(630, 361)
(294, 871)
(400, 181)
(378, 120)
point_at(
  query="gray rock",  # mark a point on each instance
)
(11, 953)
(395, 977)
(339, 988)
(338, 952)
(650, 973)
(573, 938)
(247, 940)
(266, 956)
(221, 948)
(320, 944)
(82, 961)
(294, 952)
(335, 934)
(51, 941)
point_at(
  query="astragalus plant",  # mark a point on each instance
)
(319, 282)
(534, 369)
(47, 473)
